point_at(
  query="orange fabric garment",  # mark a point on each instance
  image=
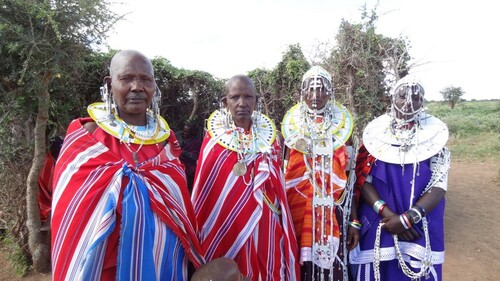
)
(300, 194)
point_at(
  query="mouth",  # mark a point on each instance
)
(136, 99)
(242, 112)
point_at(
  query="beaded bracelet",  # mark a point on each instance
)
(379, 206)
(404, 221)
(381, 210)
(356, 224)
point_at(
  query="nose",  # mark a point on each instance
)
(240, 102)
(313, 93)
(137, 85)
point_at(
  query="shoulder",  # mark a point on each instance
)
(90, 126)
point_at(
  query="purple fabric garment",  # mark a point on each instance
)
(393, 183)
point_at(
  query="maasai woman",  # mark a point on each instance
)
(316, 131)
(402, 174)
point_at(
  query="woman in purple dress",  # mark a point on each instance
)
(402, 171)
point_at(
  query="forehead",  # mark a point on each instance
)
(315, 81)
(409, 89)
(131, 64)
(240, 86)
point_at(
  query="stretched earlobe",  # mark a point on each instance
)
(107, 96)
(223, 102)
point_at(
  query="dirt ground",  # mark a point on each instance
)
(472, 226)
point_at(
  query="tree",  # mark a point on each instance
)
(42, 41)
(452, 95)
(279, 88)
(364, 65)
(187, 96)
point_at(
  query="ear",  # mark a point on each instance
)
(107, 81)
(223, 101)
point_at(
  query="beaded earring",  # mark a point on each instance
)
(107, 98)
(226, 117)
(155, 105)
(257, 112)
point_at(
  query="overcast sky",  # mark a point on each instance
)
(453, 41)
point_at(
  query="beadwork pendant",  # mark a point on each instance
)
(301, 145)
(239, 169)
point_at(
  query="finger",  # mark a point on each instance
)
(406, 236)
(413, 233)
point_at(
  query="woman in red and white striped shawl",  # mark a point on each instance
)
(239, 196)
(121, 209)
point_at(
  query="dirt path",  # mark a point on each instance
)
(472, 227)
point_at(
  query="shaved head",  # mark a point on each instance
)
(124, 56)
(238, 79)
(219, 269)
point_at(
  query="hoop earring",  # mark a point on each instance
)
(155, 105)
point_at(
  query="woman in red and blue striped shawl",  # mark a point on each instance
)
(121, 209)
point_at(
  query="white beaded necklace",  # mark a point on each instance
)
(426, 261)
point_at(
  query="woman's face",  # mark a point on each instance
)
(408, 100)
(133, 87)
(240, 100)
(315, 95)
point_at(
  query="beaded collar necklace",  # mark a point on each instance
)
(155, 131)
(390, 143)
(246, 144)
(259, 139)
(299, 128)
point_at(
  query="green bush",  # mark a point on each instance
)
(474, 128)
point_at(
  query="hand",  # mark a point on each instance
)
(408, 235)
(393, 225)
(352, 238)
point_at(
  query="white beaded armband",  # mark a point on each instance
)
(440, 165)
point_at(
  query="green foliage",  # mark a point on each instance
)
(364, 65)
(474, 128)
(18, 259)
(186, 95)
(43, 47)
(279, 89)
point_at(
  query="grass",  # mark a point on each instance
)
(14, 254)
(474, 129)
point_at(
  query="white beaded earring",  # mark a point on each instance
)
(257, 112)
(155, 105)
(107, 98)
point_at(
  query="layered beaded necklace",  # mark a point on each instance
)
(246, 144)
(155, 131)
(139, 133)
